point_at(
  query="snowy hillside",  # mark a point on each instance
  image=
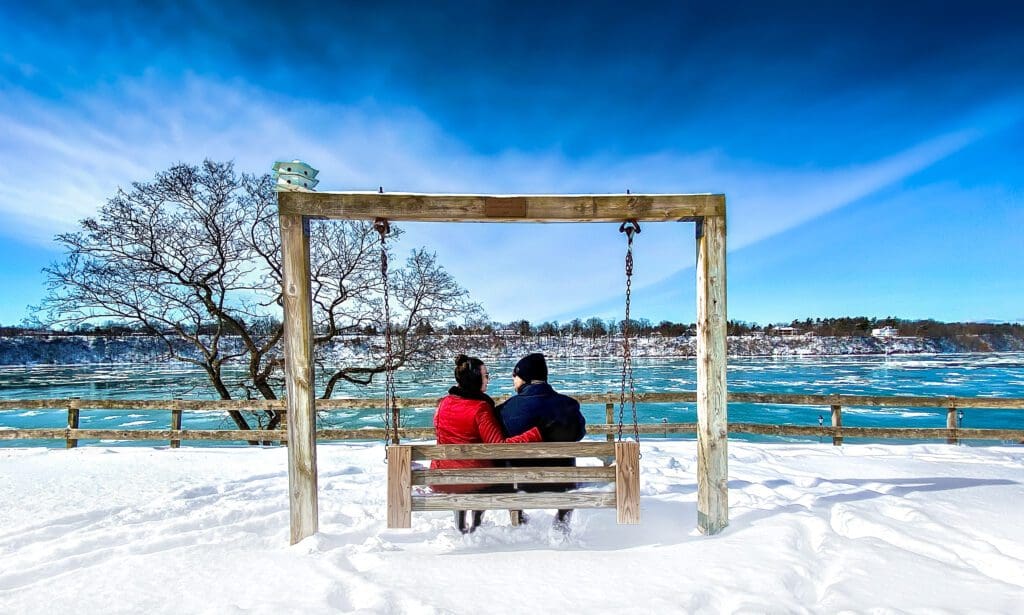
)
(80, 349)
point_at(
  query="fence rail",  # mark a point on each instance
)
(836, 431)
(902, 401)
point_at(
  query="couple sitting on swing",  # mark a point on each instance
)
(535, 414)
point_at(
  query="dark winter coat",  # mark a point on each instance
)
(557, 416)
(468, 418)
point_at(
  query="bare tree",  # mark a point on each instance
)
(194, 258)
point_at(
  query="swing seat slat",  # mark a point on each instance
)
(514, 501)
(533, 450)
(623, 478)
(486, 476)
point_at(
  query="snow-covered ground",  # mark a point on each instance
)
(814, 529)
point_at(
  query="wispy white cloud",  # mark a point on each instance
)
(23, 68)
(64, 158)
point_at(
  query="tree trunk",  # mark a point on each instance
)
(224, 393)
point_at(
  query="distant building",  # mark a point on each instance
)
(786, 331)
(885, 332)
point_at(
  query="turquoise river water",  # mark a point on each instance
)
(964, 375)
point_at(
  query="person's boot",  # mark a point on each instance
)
(460, 521)
(562, 519)
(478, 516)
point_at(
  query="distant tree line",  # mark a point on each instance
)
(862, 326)
(593, 327)
(114, 328)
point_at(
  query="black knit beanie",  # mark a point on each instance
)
(532, 367)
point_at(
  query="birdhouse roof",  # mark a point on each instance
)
(295, 167)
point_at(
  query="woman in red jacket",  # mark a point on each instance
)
(466, 416)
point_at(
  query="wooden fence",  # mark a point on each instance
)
(834, 429)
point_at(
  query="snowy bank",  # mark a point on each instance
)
(814, 529)
(82, 349)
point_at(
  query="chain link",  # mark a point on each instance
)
(630, 228)
(391, 415)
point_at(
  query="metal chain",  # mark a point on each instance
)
(391, 416)
(630, 228)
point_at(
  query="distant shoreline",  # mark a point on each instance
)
(134, 349)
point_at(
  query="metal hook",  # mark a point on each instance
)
(633, 227)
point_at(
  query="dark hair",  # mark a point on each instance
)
(467, 373)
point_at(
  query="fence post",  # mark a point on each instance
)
(73, 412)
(176, 420)
(951, 426)
(284, 424)
(837, 421)
(609, 417)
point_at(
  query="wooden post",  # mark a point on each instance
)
(298, 356)
(609, 417)
(627, 482)
(712, 411)
(176, 420)
(951, 426)
(396, 421)
(73, 413)
(837, 421)
(284, 426)
(399, 486)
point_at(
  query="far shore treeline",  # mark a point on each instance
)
(594, 327)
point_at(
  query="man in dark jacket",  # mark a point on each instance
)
(536, 404)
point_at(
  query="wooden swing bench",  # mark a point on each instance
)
(623, 475)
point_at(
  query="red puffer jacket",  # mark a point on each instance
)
(470, 421)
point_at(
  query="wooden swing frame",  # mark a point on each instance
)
(297, 208)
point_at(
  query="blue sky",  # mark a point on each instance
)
(870, 154)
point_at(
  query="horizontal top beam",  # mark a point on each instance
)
(406, 207)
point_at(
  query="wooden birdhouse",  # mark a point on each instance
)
(294, 175)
